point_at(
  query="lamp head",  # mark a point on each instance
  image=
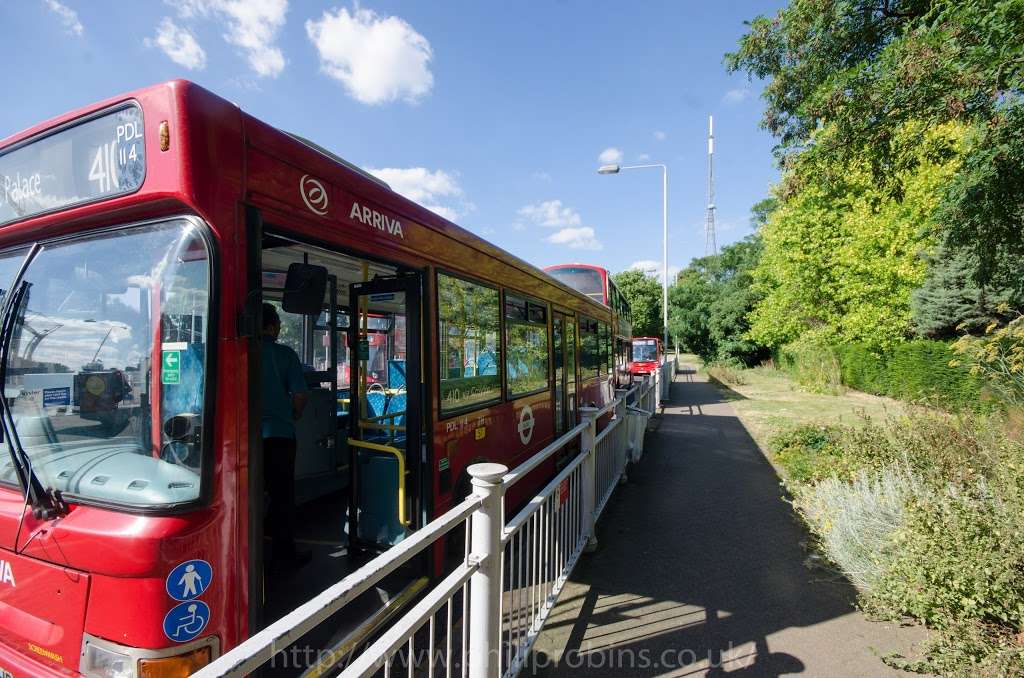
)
(608, 169)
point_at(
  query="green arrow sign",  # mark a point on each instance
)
(170, 368)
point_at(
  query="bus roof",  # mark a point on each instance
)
(191, 100)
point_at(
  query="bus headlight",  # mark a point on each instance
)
(100, 662)
(104, 659)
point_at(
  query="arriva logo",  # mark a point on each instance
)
(375, 219)
(313, 194)
(6, 573)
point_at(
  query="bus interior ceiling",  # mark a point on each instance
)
(323, 473)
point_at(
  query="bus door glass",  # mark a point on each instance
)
(570, 372)
(385, 409)
(558, 351)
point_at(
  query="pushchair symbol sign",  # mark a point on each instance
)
(186, 620)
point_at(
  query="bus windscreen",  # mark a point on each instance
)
(585, 280)
(82, 162)
(645, 351)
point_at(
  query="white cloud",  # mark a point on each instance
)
(377, 59)
(610, 156)
(660, 135)
(551, 213)
(736, 96)
(67, 16)
(643, 157)
(541, 175)
(438, 191)
(251, 25)
(179, 44)
(653, 269)
(582, 238)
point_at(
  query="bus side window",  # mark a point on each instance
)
(526, 342)
(469, 318)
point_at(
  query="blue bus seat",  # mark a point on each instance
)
(375, 402)
(396, 406)
(396, 374)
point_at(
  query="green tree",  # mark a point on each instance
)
(869, 68)
(643, 293)
(710, 302)
(841, 253)
(950, 300)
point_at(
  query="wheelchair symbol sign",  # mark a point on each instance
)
(186, 620)
(189, 579)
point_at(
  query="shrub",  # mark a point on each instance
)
(923, 514)
(862, 368)
(855, 520)
(727, 372)
(998, 358)
(959, 556)
(919, 371)
(808, 453)
(813, 365)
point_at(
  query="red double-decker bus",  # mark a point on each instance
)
(139, 239)
(646, 356)
(596, 283)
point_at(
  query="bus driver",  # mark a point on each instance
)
(284, 398)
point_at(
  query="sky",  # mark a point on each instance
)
(495, 115)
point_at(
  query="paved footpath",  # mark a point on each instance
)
(700, 569)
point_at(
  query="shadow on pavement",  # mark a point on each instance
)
(700, 560)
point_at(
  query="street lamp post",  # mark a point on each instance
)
(615, 169)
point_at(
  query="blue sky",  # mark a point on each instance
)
(494, 114)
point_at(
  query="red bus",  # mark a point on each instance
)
(139, 238)
(596, 283)
(646, 356)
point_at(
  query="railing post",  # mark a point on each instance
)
(485, 584)
(656, 390)
(622, 451)
(666, 381)
(588, 479)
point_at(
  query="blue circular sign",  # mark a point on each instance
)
(186, 620)
(189, 579)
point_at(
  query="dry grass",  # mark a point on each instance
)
(768, 401)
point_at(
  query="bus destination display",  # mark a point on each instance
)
(96, 159)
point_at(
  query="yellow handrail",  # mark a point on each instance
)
(376, 447)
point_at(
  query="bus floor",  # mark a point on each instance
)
(320, 528)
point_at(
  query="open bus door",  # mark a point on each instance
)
(385, 410)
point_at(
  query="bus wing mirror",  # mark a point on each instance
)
(304, 289)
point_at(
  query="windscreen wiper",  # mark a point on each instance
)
(45, 505)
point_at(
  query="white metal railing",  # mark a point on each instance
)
(482, 619)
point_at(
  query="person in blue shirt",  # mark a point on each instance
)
(284, 398)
